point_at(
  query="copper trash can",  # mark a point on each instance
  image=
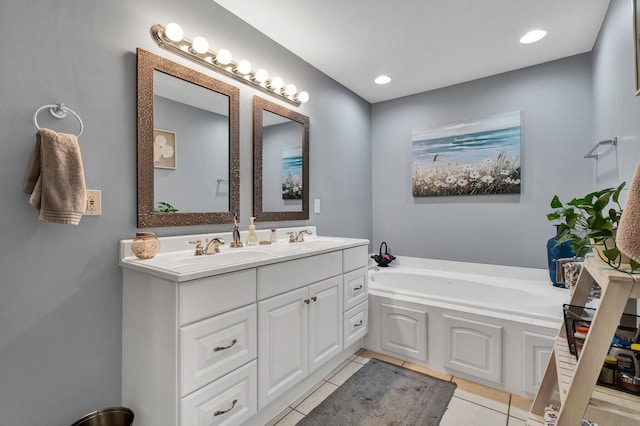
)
(114, 416)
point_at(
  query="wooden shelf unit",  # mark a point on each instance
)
(576, 381)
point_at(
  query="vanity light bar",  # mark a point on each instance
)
(197, 50)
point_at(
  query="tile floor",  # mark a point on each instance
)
(471, 403)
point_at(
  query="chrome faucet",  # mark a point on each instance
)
(212, 246)
(236, 233)
(299, 237)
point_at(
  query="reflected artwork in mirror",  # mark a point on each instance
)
(280, 162)
(188, 146)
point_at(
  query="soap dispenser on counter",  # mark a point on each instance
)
(252, 238)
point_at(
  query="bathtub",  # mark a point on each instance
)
(491, 324)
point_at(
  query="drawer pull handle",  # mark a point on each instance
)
(357, 288)
(314, 298)
(307, 301)
(222, 348)
(358, 324)
(233, 404)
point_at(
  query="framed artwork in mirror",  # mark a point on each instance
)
(164, 149)
(636, 43)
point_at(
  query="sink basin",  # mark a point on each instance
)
(186, 261)
(228, 256)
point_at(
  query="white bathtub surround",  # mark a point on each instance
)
(491, 324)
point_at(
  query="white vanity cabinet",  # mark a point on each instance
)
(231, 345)
(298, 331)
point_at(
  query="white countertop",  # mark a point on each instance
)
(176, 260)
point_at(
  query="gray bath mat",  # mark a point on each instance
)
(382, 394)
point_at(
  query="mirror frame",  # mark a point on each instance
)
(147, 63)
(260, 105)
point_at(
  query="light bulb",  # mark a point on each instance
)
(290, 90)
(200, 45)
(223, 57)
(383, 79)
(276, 83)
(303, 97)
(244, 67)
(174, 32)
(260, 76)
(533, 36)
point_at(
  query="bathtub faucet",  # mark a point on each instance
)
(374, 267)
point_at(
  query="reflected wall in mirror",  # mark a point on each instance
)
(280, 162)
(188, 145)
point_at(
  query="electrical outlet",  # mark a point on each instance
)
(94, 202)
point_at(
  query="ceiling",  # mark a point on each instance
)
(422, 44)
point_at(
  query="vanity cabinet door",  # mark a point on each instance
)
(282, 343)
(325, 321)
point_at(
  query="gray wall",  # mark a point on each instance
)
(60, 285)
(556, 110)
(616, 108)
(202, 157)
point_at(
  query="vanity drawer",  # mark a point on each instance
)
(230, 400)
(210, 296)
(211, 348)
(356, 323)
(286, 276)
(354, 258)
(356, 287)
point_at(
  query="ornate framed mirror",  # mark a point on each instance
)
(280, 162)
(188, 145)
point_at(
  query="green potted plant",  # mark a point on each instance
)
(590, 222)
(164, 207)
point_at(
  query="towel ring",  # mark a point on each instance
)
(58, 111)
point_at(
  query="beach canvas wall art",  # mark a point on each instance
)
(472, 157)
(292, 173)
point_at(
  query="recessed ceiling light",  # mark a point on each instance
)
(383, 79)
(533, 36)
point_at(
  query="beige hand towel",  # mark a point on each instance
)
(628, 234)
(55, 178)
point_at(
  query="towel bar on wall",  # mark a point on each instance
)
(593, 154)
(58, 111)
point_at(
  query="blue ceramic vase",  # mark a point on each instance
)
(554, 253)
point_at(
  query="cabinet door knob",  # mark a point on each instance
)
(233, 404)
(358, 324)
(307, 301)
(222, 348)
(314, 298)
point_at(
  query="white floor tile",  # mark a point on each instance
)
(462, 412)
(291, 419)
(307, 394)
(335, 370)
(513, 421)
(341, 376)
(518, 412)
(279, 417)
(485, 402)
(316, 398)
